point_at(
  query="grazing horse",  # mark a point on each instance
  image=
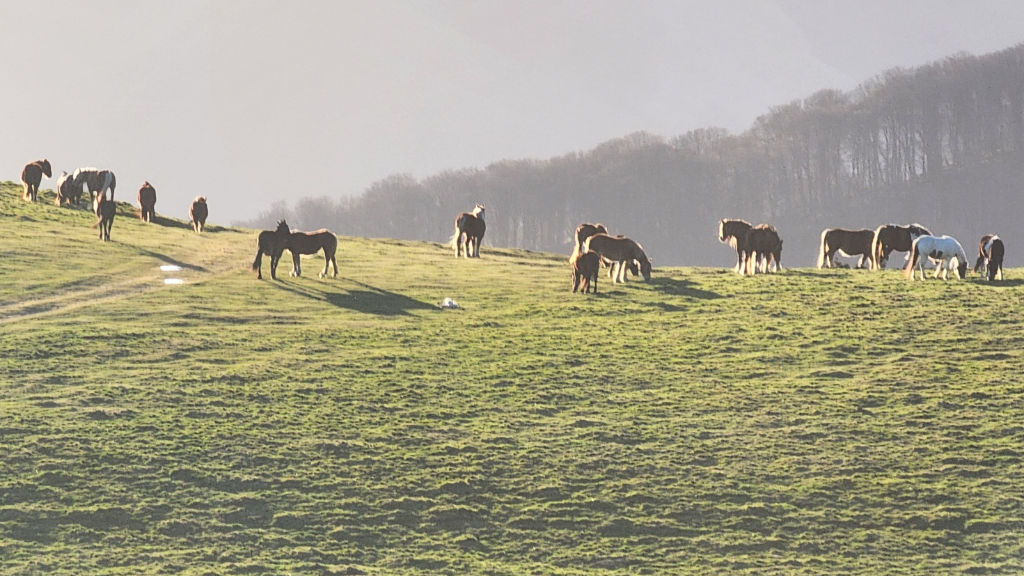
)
(197, 213)
(272, 243)
(942, 250)
(469, 232)
(147, 202)
(105, 210)
(66, 190)
(619, 249)
(889, 238)
(585, 268)
(311, 243)
(990, 256)
(764, 249)
(734, 233)
(31, 175)
(846, 242)
(584, 231)
(96, 180)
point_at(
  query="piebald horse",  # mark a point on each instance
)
(943, 250)
(469, 232)
(847, 243)
(619, 249)
(990, 256)
(66, 190)
(734, 233)
(889, 238)
(198, 211)
(31, 175)
(584, 231)
(272, 243)
(95, 180)
(147, 202)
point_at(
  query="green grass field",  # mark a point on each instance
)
(807, 422)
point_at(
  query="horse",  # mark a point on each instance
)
(763, 248)
(311, 243)
(619, 249)
(990, 256)
(197, 213)
(584, 231)
(846, 242)
(105, 210)
(942, 250)
(96, 180)
(469, 232)
(66, 190)
(734, 233)
(31, 175)
(890, 237)
(271, 243)
(585, 268)
(147, 202)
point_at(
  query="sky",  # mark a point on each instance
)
(252, 102)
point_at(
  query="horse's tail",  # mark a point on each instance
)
(454, 240)
(876, 250)
(824, 248)
(256, 262)
(915, 255)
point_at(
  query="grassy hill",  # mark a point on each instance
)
(806, 422)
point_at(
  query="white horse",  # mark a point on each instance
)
(942, 250)
(96, 181)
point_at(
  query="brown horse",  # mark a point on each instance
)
(764, 249)
(584, 231)
(734, 233)
(105, 210)
(147, 202)
(469, 232)
(272, 243)
(31, 175)
(585, 268)
(311, 243)
(990, 256)
(846, 242)
(619, 249)
(66, 190)
(197, 213)
(891, 237)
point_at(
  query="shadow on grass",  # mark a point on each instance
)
(367, 299)
(169, 260)
(674, 287)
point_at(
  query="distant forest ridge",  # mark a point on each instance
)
(941, 144)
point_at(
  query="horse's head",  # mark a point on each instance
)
(961, 268)
(478, 211)
(44, 164)
(282, 227)
(645, 268)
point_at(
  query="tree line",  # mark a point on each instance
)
(941, 144)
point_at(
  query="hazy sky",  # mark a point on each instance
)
(248, 102)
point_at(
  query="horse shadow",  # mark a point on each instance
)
(685, 288)
(167, 259)
(366, 299)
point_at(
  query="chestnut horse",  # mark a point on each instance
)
(147, 202)
(763, 248)
(890, 237)
(734, 233)
(311, 243)
(584, 231)
(272, 243)
(469, 232)
(197, 213)
(585, 268)
(846, 242)
(31, 175)
(619, 249)
(990, 256)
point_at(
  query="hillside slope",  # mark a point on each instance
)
(805, 422)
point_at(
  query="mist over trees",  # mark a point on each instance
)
(942, 144)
